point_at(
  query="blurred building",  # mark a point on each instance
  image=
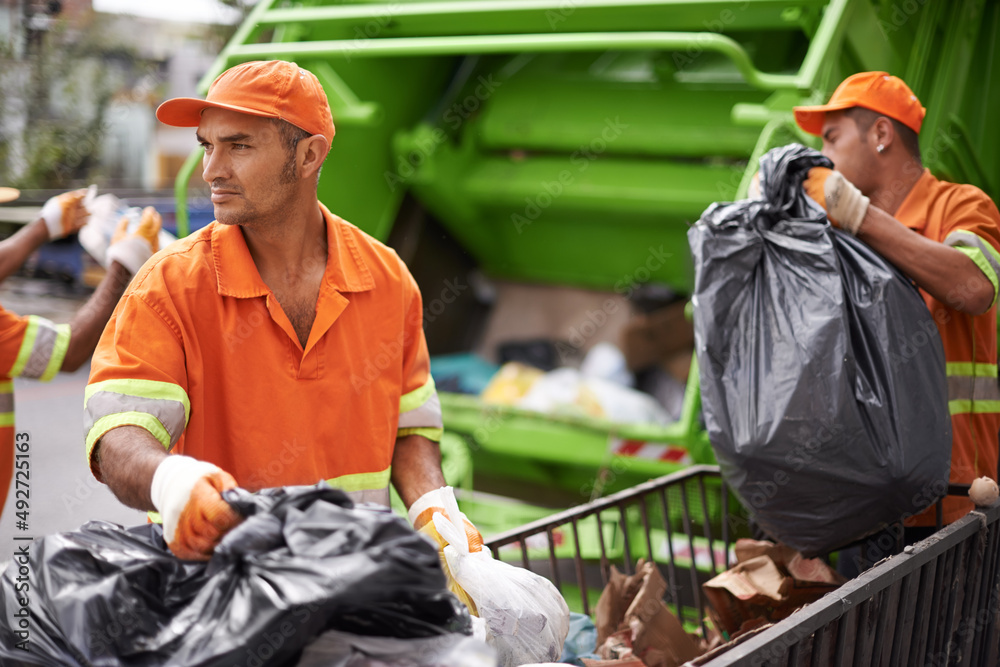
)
(103, 100)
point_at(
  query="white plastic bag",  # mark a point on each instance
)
(568, 391)
(526, 618)
(105, 212)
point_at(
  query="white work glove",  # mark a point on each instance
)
(188, 495)
(421, 514)
(844, 204)
(65, 214)
(131, 250)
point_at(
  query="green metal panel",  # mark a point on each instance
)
(583, 219)
(480, 17)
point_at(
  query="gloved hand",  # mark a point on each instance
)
(188, 495)
(65, 213)
(421, 515)
(844, 204)
(422, 512)
(132, 250)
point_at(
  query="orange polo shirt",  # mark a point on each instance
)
(964, 217)
(200, 353)
(31, 347)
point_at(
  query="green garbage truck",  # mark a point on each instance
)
(553, 145)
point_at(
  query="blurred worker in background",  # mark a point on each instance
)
(34, 347)
(881, 193)
(279, 345)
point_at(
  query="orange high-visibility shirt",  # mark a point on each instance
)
(31, 347)
(964, 217)
(200, 353)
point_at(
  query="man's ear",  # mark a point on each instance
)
(882, 132)
(310, 154)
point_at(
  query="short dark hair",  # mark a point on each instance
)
(290, 135)
(865, 118)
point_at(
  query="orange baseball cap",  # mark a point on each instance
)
(878, 91)
(270, 89)
(9, 194)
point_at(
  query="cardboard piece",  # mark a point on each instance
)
(768, 583)
(633, 622)
(656, 338)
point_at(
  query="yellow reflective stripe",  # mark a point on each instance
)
(140, 419)
(976, 255)
(417, 397)
(7, 394)
(969, 369)
(964, 407)
(153, 389)
(433, 434)
(27, 344)
(58, 352)
(362, 481)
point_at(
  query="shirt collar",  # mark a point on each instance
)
(913, 211)
(238, 277)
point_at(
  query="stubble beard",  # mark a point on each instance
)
(248, 215)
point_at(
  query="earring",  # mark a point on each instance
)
(880, 148)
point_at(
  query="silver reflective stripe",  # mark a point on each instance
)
(104, 403)
(41, 351)
(427, 415)
(971, 240)
(379, 496)
(973, 389)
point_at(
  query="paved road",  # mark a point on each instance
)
(64, 495)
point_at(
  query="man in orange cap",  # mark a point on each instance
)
(279, 345)
(944, 236)
(32, 346)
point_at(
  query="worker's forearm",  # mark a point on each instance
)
(15, 249)
(416, 467)
(944, 272)
(126, 458)
(88, 323)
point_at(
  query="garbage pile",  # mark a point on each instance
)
(305, 561)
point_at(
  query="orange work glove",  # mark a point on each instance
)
(844, 204)
(65, 214)
(421, 515)
(188, 495)
(131, 250)
(422, 512)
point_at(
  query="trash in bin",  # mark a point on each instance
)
(304, 561)
(768, 583)
(633, 621)
(809, 346)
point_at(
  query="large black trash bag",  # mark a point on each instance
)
(305, 561)
(822, 372)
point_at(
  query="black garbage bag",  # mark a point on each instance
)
(822, 372)
(305, 561)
